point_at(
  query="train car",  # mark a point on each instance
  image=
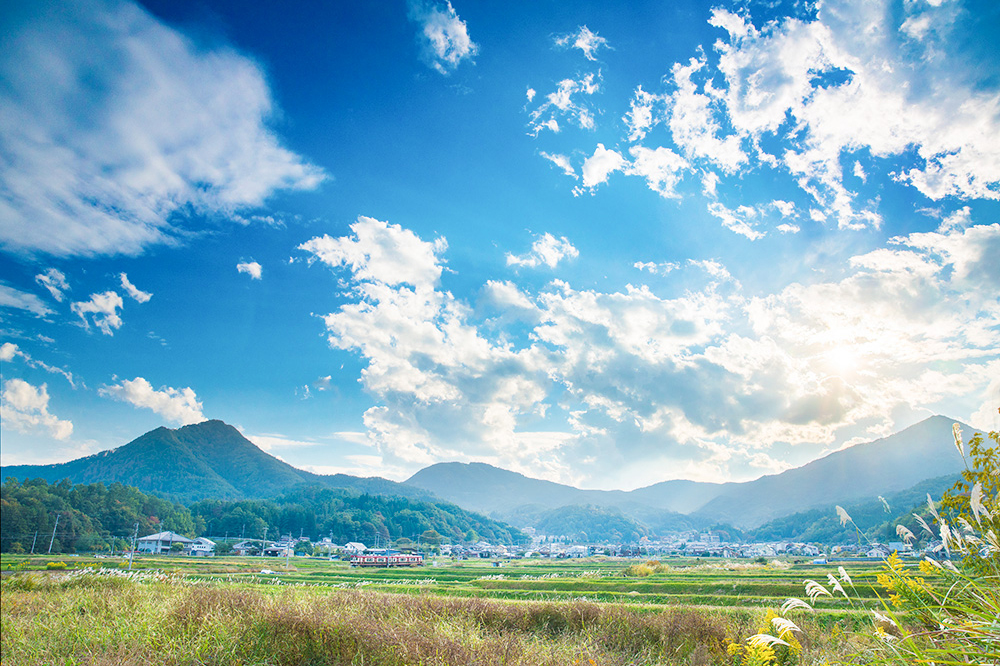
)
(387, 561)
(402, 560)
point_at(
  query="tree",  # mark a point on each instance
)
(303, 548)
(431, 538)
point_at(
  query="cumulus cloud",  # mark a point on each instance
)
(112, 124)
(547, 250)
(444, 37)
(847, 81)
(25, 408)
(566, 103)
(11, 297)
(807, 97)
(251, 268)
(693, 123)
(661, 167)
(54, 281)
(133, 291)
(598, 168)
(585, 40)
(707, 380)
(180, 406)
(103, 310)
(380, 252)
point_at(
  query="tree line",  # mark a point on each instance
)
(94, 517)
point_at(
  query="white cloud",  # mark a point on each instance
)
(276, 442)
(662, 168)
(382, 253)
(657, 269)
(598, 167)
(787, 228)
(180, 406)
(738, 221)
(55, 281)
(547, 250)
(25, 408)
(251, 268)
(710, 379)
(113, 122)
(809, 97)
(642, 114)
(890, 98)
(585, 40)
(786, 208)
(693, 125)
(444, 37)
(133, 291)
(562, 162)
(104, 310)
(9, 351)
(709, 184)
(19, 300)
(564, 103)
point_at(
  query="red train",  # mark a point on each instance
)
(397, 560)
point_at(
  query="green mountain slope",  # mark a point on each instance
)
(201, 461)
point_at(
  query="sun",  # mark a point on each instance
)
(842, 360)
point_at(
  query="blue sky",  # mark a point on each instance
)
(603, 245)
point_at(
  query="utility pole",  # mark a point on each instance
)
(54, 534)
(131, 553)
(33, 542)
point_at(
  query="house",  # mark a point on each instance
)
(201, 547)
(877, 551)
(247, 548)
(161, 542)
(354, 548)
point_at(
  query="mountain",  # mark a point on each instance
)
(546, 505)
(201, 461)
(861, 472)
(864, 471)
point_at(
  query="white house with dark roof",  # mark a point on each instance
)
(201, 547)
(161, 542)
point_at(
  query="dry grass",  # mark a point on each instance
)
(87, 620)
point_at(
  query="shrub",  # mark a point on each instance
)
(56, 566)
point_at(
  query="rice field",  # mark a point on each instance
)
(176, 610)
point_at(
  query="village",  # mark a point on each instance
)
(681, 544)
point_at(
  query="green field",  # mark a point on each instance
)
(181, 610)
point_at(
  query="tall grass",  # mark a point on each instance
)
(91, 619)
(936, 613)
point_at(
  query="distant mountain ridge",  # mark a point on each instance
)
(213, 460)
(895, 463)
(209, 460)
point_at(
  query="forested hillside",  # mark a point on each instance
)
(92, 517)
(343, 516)
(95, 517)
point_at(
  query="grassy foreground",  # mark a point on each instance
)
(100, 617)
